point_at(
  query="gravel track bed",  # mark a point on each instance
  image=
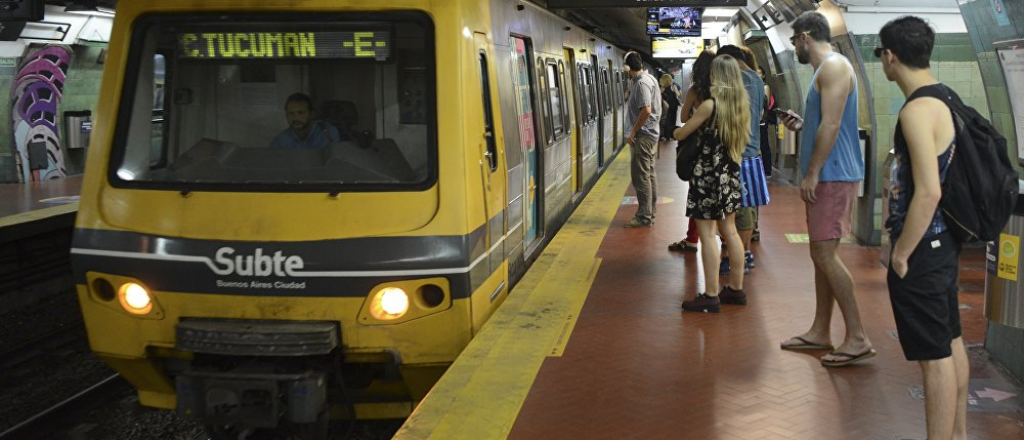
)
(115, 415)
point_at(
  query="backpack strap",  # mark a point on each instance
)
(947, 96)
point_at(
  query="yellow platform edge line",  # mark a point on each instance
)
(38, 214)
(480, 395)
(574, 313)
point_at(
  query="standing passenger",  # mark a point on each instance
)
(831, 162)
(747, 215)
(700, 90)
(643, 111)
(723, 126)
(923, 268)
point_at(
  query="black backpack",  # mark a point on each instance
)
(980, 189)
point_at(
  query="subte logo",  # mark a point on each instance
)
(258, 264)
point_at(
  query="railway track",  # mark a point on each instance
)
(43, 420)
(60, 340)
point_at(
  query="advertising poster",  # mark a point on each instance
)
(1012, 61)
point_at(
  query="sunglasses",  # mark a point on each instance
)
(878, 51)
(792, 40)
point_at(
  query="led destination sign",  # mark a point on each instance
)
(375, 45)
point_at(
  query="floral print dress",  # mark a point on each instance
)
(715, 188)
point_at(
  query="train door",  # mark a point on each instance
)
(576, 121)
(492, 175)
(599, 97)
(524, 87)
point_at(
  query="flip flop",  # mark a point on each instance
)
(682, 246)
(805, 345)
(851, 358)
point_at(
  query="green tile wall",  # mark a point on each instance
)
(8, 170)
(81, 92)
(953, 62)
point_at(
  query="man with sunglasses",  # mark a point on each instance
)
(923, 266)
(832, 166)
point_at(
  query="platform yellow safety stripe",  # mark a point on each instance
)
(480, 396)
(38, 214)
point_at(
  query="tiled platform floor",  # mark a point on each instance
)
(637, 367)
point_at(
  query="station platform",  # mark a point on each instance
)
(28, 209)
(593, 344)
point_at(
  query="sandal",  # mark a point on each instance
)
(682, 246)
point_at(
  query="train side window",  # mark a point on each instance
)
(592, 85)
(584, 95)
(157, 152)
(545, 101)
(565, 102)
(555, 97)
(607, 91)
(485, 86)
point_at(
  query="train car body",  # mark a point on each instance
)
(244, 282)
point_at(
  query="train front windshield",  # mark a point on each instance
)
(242, 103)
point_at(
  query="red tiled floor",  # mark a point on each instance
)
(637, 367)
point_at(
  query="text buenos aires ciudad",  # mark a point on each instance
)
(258, 264)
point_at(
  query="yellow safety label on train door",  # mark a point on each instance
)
(1009, 249)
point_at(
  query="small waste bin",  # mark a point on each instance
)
(1004, 290)
(77, 127)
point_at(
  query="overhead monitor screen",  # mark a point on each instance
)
(676, 47)
(684, 22)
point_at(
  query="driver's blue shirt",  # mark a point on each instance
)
(320, 136)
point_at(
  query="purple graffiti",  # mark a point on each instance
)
(35, 104)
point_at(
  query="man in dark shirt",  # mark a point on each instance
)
(303, 131)
(924, 264)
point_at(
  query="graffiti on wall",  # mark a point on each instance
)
(35, 104)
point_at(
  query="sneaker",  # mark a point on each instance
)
(730, 296)
(725, 270)
(748, 261)
(756, 236)
(637, 223)
(703, 303)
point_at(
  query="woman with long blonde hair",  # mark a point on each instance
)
(723, 126)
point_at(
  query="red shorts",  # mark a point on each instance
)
(831, 215)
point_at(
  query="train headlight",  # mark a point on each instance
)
(135, 299)
(390, 303)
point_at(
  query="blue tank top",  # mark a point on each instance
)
(845, 163)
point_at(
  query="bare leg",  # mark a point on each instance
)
(840, 284)
(709, 254)
(745, 238)
(821, 329)
(963, 374)
(732, 241)
(940, 397)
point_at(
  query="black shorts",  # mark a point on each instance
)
(924, 302)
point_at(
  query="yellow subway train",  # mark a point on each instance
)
(298, 208)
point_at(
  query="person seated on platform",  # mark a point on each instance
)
(303, 131)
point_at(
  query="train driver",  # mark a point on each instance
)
(303, 131)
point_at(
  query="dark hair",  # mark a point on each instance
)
(733, 51)
(748, 58)
(300, 97)
(634, 61)
(700, 76)
(911, 39)
(814, 24)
